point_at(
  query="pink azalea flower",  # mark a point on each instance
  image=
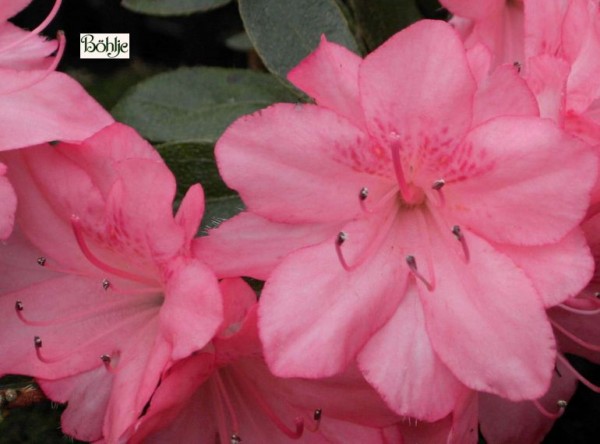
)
(38, 104)
(100, 280)
(432, 205)
(226, 394)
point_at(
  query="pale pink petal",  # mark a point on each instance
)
(193, 310)
(473, 10)
(88, 395)
(330, 76)
(577, 334)
(505, 422)
(190, 211)
(480, 60)
(503, 93)
(249, 245)
(547, 78)
(547, 266)
(426, 68)
(301, 163)
(238, 300)
(521, 160)
(476, 315)
(410, 377)
(543, 22)
(60, 108)
(30, 54)
(312, 323)
(8, 204)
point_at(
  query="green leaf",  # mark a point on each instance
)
(197, 104)
(378, 20)
(219, 209)
(172, 7)
(285, 31)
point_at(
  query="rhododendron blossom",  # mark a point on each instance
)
(100, 280)
(431, 198)
(226, 394)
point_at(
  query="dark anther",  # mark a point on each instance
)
(438, 184)
(562, 403)
(518, 66)
(411, 261)
(41, 261)
(457, 232)
(341, 238)
(364, 193)
(106, 359)
(37, 341)
(106, 284)
(317, 414)
(19, 306)
(235, 439)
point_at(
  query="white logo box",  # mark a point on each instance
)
(103, 46)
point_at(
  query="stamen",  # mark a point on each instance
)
(106, 284)
(437, 186)
(37, 30)
(317, 421)
(86, 344)
(518, 66)
(77, 230)
(457, 232)
(561, 404)
(405, 191)
(94, 311)
(223, 392)
(412, 265)
(572, 337)
(581, 311)
(578, 375)
(107, 360)
(364, 193)
(235, 439)
(339, 240)
(41, 261)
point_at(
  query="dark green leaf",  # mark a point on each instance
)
(172, 7)
(219, 209)
(285, 31)
(376, 21)
(197, 104)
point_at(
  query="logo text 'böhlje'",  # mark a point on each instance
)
(103, 46)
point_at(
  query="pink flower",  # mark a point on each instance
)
(226, 394)
(100, 280)
(442, 214)
(38, 104)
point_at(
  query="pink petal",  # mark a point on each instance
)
(577, 334)
(503, 93)
(527, 160)
(238, 300)
(543, 22)
(505, 422)
(400, 363)
(193, 309)
(418, 82)
(300, 163)
(31, 54)
(312, 307)
(476, 319)
(11, 8)
(60, 107)
(547, 78)
(88, 395)
(330, 76)
(190, 211)
(547, 265)
(8, 204)
(249, 245)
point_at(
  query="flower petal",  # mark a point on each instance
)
(486, 321)
(8, 205)
(523, 160)
(249, 245)
(300, 163)
(401, 364)
(417, 82)
(330, 76)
